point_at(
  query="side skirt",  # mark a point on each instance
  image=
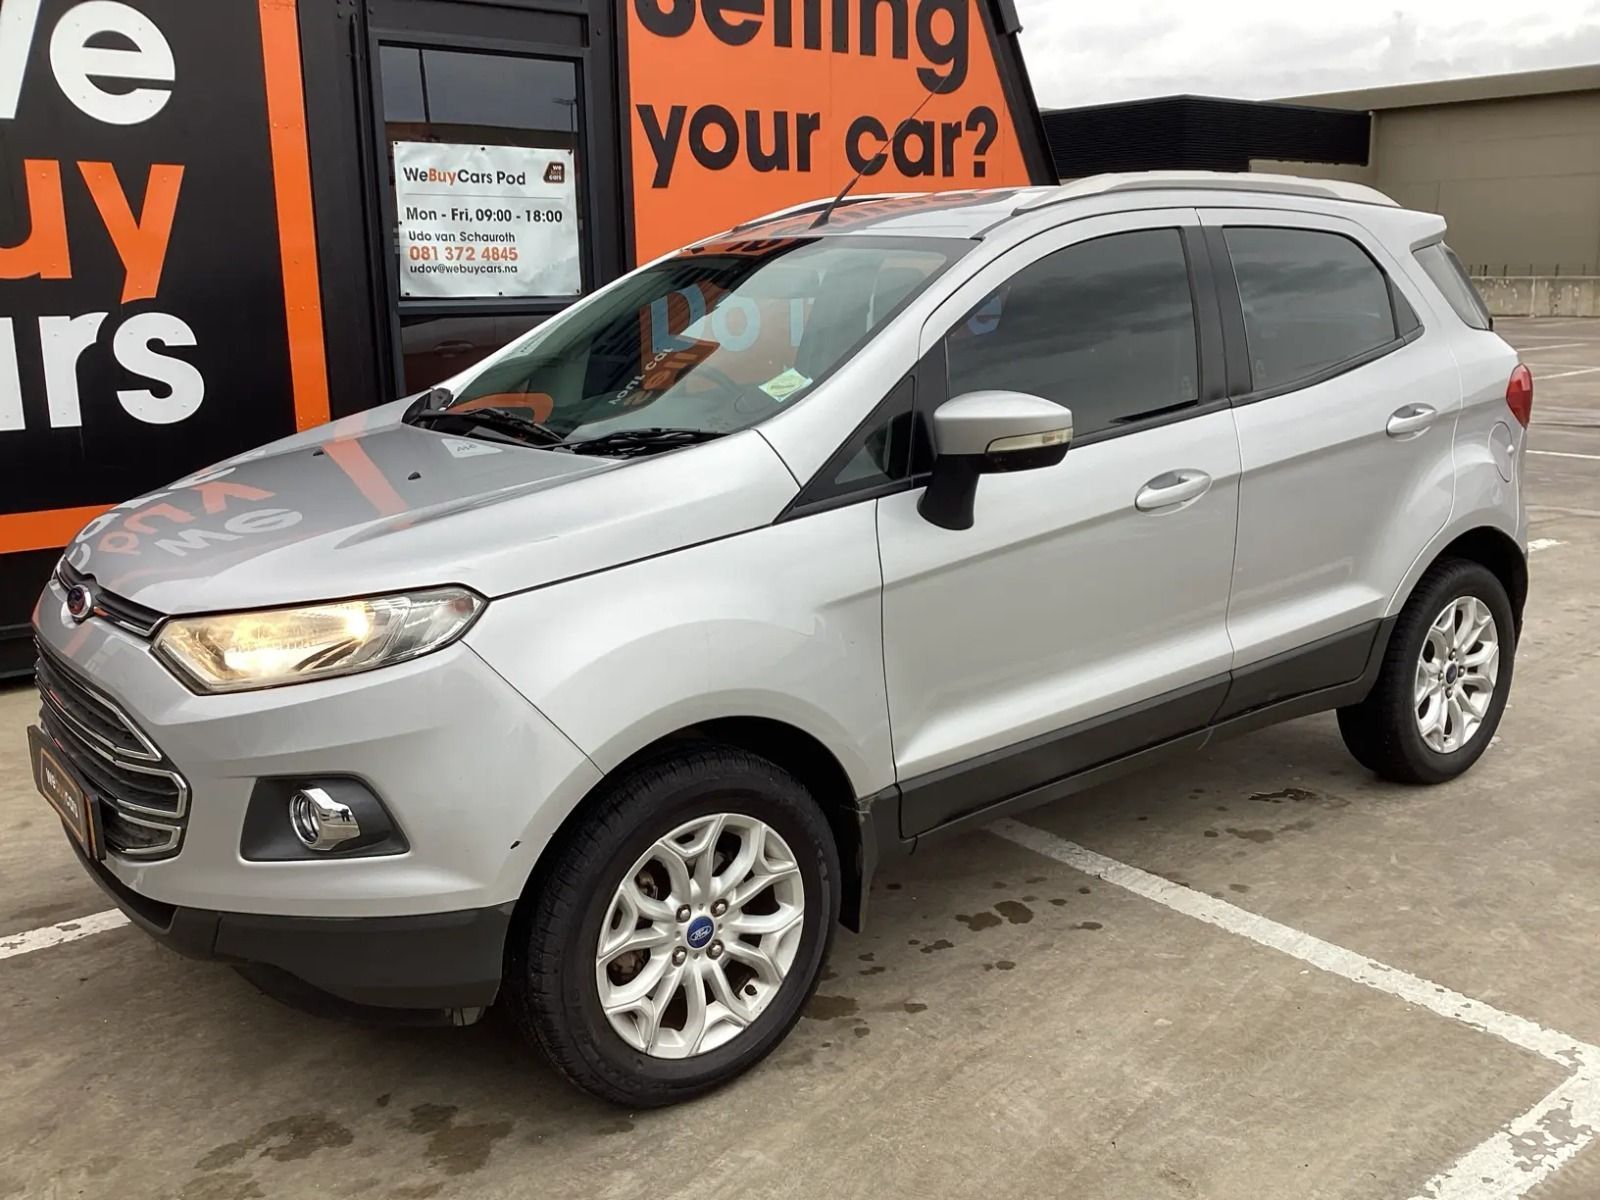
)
(1041, 764)
(1060, 789)
(1326, 675)
(1329, 662)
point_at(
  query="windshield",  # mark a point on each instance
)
(713, 340)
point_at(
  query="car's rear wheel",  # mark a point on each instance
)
(1444, 682)
(677, 933)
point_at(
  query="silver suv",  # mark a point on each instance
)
(600, 681)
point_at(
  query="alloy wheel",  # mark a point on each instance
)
(700, 935)
(1457, 672)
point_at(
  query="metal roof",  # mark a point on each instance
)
(1204, 133)
(1458, 91)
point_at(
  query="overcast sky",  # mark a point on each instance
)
(1092, 53)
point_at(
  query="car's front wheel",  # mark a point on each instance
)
(676, 933)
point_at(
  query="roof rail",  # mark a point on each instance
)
(1221, 181)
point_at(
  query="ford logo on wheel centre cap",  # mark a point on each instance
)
(699, 932)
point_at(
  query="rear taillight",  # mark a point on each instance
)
(1519, 395)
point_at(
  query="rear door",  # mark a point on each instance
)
(1346, 410)
(1082, 617)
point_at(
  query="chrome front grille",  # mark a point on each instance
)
(124, 614)
(144, 800)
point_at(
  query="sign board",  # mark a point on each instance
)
(159, 294)
(742, 109)
(486, 221)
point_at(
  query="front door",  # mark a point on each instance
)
(496, 171)
(1082, 617)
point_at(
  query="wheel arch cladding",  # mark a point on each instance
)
(1501, 555)
(799, 753)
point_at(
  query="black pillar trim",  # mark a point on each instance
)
(1002, 27)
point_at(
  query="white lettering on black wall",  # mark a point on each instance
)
(80, 65)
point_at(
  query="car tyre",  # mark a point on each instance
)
(1424, 722)
(555, 972)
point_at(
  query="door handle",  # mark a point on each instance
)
(1172, 489)
(1413, 418)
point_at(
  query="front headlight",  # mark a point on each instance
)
(239, 651)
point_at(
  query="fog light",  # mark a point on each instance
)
(320, 821)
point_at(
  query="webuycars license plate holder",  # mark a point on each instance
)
(66, 793)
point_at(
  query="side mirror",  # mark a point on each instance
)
(984, 433)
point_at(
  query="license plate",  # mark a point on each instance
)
(61, 789)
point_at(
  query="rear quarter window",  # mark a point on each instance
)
(1454, 284)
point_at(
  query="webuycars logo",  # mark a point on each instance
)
(143, 322)
(116, 87)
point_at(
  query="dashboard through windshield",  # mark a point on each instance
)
(712, 340)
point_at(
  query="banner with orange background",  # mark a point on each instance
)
(741, 107)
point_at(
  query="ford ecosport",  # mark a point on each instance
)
(599, 681)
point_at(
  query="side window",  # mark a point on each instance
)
(1453, 282)
(883, 451)
(1105, 328)
(1311, 300)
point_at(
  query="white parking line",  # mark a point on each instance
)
(1565, 374)
(1521, 1154)
(1336, 960)
(1539, 544)
(13, 944)
(1557, 346)
(1565, 454)
(1527, 1151)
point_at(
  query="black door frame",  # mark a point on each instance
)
(361, 274)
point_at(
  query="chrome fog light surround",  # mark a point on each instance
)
(320, 821)
(277, 829)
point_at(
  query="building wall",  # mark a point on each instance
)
(1541, 295)
(1516, 176)
(1518, 179)
(1350, 174)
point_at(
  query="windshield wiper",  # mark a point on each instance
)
(502, 420)
(629, 443)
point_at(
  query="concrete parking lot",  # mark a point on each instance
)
(1259, 973)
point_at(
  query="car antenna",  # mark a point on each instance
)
(874, 164)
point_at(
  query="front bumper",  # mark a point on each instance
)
(474, 777)
(437, 966)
